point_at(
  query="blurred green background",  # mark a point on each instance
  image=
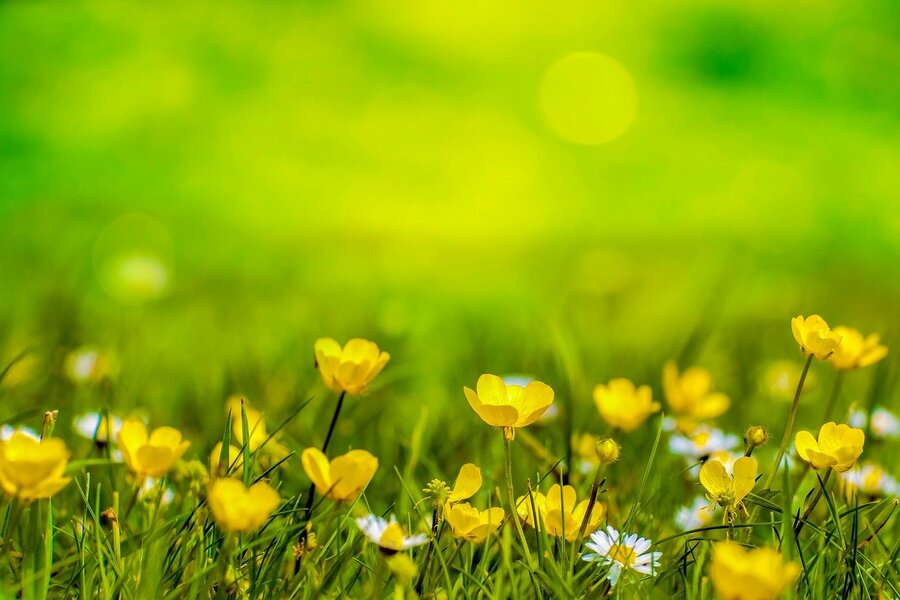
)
(203, 190)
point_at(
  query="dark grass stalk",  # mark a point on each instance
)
(812, 504)
(435, 538)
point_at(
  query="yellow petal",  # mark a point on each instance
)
(714, 477)
(492, 390)
(351, 473)
(315, 465)
(744, 476)
(804, 442)
(496, 416)
(467, 483)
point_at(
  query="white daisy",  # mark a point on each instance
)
(621, 552)
(388, 534)
(7, 431)
(871, 480)
(703, 441)
(694, 516)
(94, 426)
(884, 424)
(858, 419)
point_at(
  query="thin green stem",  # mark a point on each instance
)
(511, 498)
(789, 427)
(835, 392)
(595, 486)
(812, 505)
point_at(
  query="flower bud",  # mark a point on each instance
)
(607, 451)
(756, 436)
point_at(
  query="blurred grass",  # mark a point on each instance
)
(383, 169)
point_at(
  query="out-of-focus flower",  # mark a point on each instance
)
(471, 524)
(150, 455)
(7, 431)
(560, 512)
(150, 491)
(95, 426)
(838, 446)
(87, 364)
(869, 480)
(467, 483)
(344, 477)
(25, 368)
(235, 465)
(32, 469)
(621, 552)
(704, 441)
(256, 426)
(690, 394)
(349, 369)
(781, 378)
(403, 568)
(237, 508)
(388, 534)
(584, 446)
(814, 336)
(502, 405)
(855, 350)
(883, 424)
(623, 405)
(726, 490)
(759, 574)
(694, 516)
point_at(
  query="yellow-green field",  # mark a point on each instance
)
(619, 209)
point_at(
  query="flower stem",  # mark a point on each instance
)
(789, 427)
(511, 498)
(435, 538)
(822, 483)
(587, 514)
(835, 392)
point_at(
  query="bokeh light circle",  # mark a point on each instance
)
(588, 98)
(133, 259)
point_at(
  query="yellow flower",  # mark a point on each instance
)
(467, 483)
(814, 336)
(758, 574)
(471, 524)
(238, 508)
(725, 490)
(256, 426)
(235, 464)
(32, 469)
(560, 512)
(349, 369)
(690, 394)
(584, 445)
(502, 405)
(622, 405)
(838, 446)
(342, 479)
(608, 451)
(153, 455)
(856, 351)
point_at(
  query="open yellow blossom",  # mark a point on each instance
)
(467, 483)
(235, 464)
(725, 490)
(814, 336)
(32, 469)
(758, 574)
(855, 350)
(623, 405)
(150, 455)
(343, 478)
(502, 405)
(690, 394)
(471, 524)
(349, 369)
(560, 512)
(838, 446)
(237, 508)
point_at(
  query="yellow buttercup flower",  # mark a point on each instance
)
(349, 369)
(814, 336)
(150, 455)
(344, 477)
(725, 490)
(235, 461)
(502, 405)
(560, 512)
(855, 350)
(31, 469)
(237, 508)
(690, 394)
(758, 574)
(624, 406)
(467, 483)
(838, 446)
(471, 524)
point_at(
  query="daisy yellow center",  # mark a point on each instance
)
(622, 553)
(701, 439)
